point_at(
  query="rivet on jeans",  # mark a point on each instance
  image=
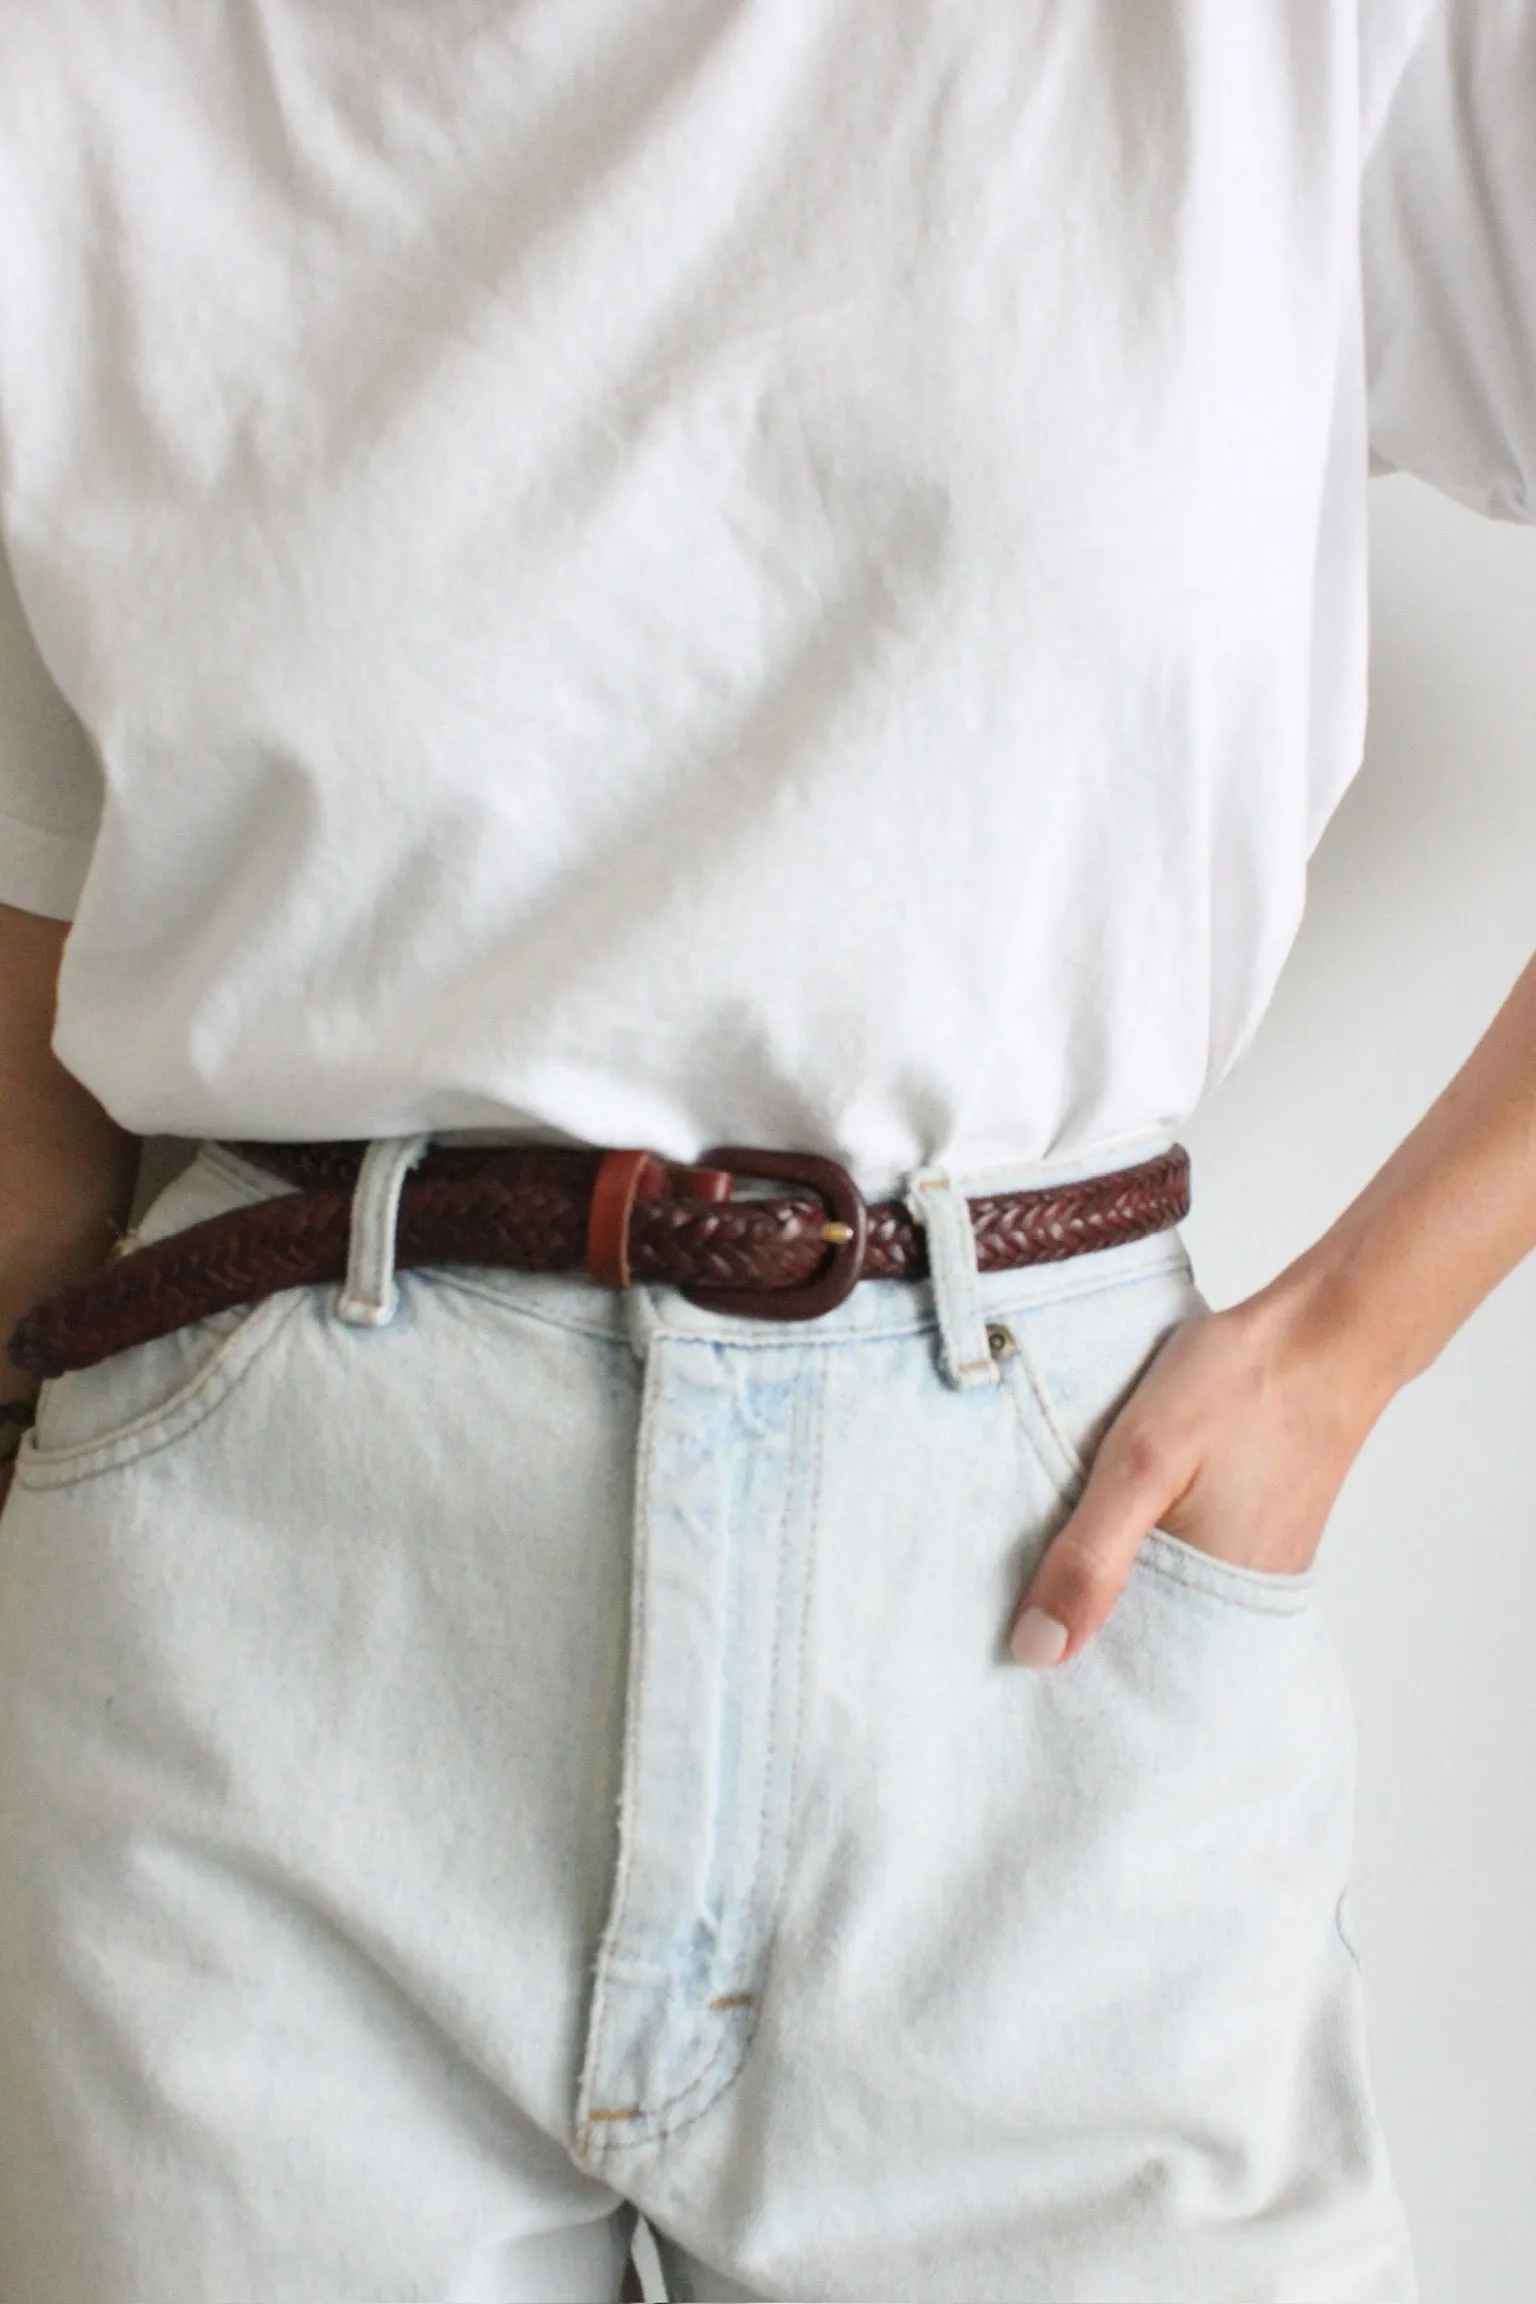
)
(1000, 1341)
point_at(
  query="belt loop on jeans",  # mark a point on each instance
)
(945, 1216)
(368, 1296)
(527, 1208)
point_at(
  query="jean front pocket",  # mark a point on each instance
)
(1268, 1591)
(102, 1418)
(99, 1418)
(1077, 1360)
(1186, 1833)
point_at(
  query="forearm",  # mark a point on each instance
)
(66, 1169)
(1448, 1216)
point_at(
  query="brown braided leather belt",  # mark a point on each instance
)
(619, 1216)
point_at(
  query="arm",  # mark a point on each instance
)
(1239, 1436)
(66, 1169)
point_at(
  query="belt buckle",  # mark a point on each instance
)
(845, 1232)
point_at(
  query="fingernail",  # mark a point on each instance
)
(1038, 1638)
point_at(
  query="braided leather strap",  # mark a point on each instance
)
(526, 1207)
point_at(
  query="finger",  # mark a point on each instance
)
(1084, 1570)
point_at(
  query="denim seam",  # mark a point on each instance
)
(1069, 1475)
(657, 2126)
(1224, 1580)
(1102, 1283)
(1221, 1580)
(770, 1337)
(449, 1276)
(597, 2137)
(645, 2125)
(1074, 1469)
(613, 1933)
(743, 2034)
(63, 1468)
(802, 1657)
(774, 1675)
(649, 2126)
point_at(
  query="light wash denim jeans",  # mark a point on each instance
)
(467, 1774)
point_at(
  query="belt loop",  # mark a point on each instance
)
(945, 1216)
(368, 1298)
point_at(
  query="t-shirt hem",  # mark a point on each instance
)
(41, 872)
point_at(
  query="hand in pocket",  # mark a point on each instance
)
(1236, 1440)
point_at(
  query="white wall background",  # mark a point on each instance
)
(1422, 912)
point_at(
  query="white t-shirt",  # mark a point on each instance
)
(660, 571)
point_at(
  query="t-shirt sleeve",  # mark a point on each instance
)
(1449, 249)
(50, 781)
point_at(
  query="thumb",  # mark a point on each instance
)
(1085, 1568)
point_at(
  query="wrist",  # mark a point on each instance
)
(1326, 1318)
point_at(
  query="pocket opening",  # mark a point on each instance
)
(119, 1439)
(1076, 1362)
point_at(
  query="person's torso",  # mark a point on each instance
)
(658, 570)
